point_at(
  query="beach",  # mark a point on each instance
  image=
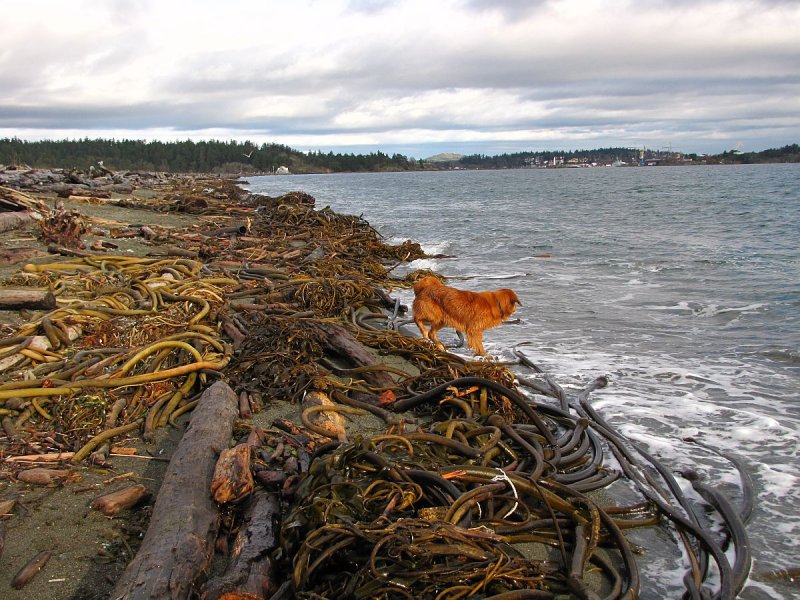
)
(278, 299)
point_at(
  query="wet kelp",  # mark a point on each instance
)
(477, 481)
(482, 507)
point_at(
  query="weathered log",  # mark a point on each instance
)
(232, 479)
(179, 542)
(73, 177)
(63, 251)
(235, 230)
(10, 256)
(95, 195)
(42, 476)
(11, 299)
(230, 328)
(340, 342)
(30, 569)
(172, 251)
(14, 220)
(250, 568)
(114, 502)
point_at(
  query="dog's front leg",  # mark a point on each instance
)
(475, 341)
(435, 338)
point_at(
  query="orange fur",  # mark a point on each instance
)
(470, 312)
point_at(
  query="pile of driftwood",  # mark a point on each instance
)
(460, 485)
(96, 181)
(18, 209)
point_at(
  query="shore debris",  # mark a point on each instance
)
(114, 502)
(30, 570)
(406, 472)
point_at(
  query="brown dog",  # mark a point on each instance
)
(470, 312)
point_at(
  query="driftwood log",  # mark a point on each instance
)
(250, 568)
(10, 256)
(340, 343)
(114, 502)
(179, 542)
(11, 299)
(14, 220)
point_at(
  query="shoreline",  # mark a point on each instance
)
(279, 299)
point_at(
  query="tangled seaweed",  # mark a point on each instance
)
(475, 488)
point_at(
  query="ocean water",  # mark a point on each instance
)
(682, 285)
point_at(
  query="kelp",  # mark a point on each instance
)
(473, 488)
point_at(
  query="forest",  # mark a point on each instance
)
(235, 157)
(191, 157)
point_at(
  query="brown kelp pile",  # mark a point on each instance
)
(401, 471)
(475, 504)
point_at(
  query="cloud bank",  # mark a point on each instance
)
(407, 75)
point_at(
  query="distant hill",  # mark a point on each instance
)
(444, 157)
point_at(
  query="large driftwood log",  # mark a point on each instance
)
(341, 343)
(14, 220)
(179, 542)
(250, 569)
(11, 299)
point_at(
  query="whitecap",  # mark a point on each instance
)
(777, 482)
(713, 310)
(430, 264)
(433, 248)
(501, 275)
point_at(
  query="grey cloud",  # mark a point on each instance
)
(681, 91)
(370, 6)
(510, 9)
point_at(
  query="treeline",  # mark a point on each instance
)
(786, 154)
(248, 158)
(191, 157)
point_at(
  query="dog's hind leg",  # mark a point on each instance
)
(422, 329)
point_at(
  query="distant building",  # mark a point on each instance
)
(282, 170)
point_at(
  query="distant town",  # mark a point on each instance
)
(246, 158)
(614, 157)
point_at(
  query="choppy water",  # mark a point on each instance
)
(680, 284)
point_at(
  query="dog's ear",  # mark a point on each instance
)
(509, 299)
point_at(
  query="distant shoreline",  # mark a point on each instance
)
(248, 159)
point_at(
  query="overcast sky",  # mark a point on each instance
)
(411, 76)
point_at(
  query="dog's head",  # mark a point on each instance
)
(508, 301)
